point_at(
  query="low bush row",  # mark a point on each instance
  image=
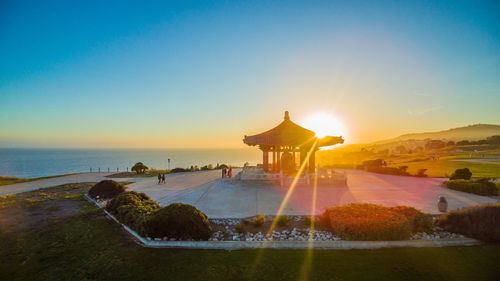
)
(480, 222)
(360, 221)
(480, 187)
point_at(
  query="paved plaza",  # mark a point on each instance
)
(230, 199)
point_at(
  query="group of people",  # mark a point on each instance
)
(161, 178)
(227, 172)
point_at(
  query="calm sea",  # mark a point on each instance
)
(47, 162)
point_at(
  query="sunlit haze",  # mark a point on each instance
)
(324, 124)
(203, 75)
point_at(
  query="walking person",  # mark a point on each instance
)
(230, 172)
(163, 178)
(159, 178)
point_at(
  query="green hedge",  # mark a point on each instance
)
(480, 187)
(480, 222)
(180, 221)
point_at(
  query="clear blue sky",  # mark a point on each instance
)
(203, 74)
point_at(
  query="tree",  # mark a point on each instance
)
(464, 174)
(139, 168)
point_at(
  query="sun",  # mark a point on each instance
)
(323, 124)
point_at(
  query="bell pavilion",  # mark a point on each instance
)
(287, 141)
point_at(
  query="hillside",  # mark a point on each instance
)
(472, 132)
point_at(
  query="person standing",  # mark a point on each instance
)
(163, 178)
(230, 172)
(159, 178)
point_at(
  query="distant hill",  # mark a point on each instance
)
(472, 132)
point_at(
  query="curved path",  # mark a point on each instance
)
(44, 183)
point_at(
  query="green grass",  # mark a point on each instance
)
(445, 167)
(87, 246)
(13, 180)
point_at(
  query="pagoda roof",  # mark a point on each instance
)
(287, 133)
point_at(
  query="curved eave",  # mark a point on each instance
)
(286, 133)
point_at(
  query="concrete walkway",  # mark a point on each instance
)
(228, 199)
(34, 185)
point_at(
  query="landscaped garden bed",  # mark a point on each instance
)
(145, 219)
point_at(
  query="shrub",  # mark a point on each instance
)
(464, 174)
(480, 222)
(125, 198)
(139, 168)
(359, 221)
(106, 189)
(282, 220)
(239, 228)
(245, 222)
(479, 187)
(308, 221)
(259, 220)
(421, 222)
(179, 170)
(137, 215)
(421, 173)
(133, 209)
(180, 221)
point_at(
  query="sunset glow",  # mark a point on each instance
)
(324, 124)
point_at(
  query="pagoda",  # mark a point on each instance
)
(285, 141)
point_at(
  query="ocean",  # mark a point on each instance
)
(28, 163)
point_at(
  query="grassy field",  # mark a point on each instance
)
(12, 180)
(54, 234)
(445, 167)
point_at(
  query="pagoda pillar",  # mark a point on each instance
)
(303, 156)
(265, 160)
(312, 162)
(278, 160)
(274, 160)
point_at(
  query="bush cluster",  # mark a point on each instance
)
(480, 222)
(134, 210)
(282, 220)
(480, 187)
(259, 220)
(106, 189)
(360, 221)
(180, 221)
(463, 174)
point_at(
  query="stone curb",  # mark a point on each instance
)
(318, 245)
